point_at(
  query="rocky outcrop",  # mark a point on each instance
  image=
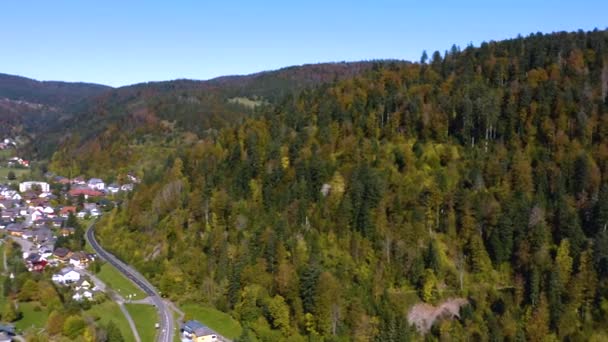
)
(424, 315)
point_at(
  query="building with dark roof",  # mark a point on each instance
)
(197, 332)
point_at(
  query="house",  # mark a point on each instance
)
(42, 234)
(26, 186)
(132, 178)
(66, 275)
(81, 214)
(39, 202)
(32, 258)
(15, 196)
(45, 252)
(82, 284)
(36, 215)
(7, 204)
(95, 212)
(65, 211)
(48, 211)
(113, 188)
(39, 265)
(79, 259)
(18, 161)
(61, 180)
(10, 194)
(85, 192)
(30, 196)
(195, 331)
(79, 181)
(82, 294)
(6, 333)
(10, 214)
(62, 253)
(27, 234)
(15, 229)
(47, 195)
(67, 231)
(89, 206)
(42, 222)
(57, 221)
(4, 337)
(127, 187)
(96, 184)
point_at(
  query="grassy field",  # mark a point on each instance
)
(31, 317)
(6, 154)
(109, 311)
(214, 319)
(118, 282)
(144, 317)
(2, 298)
(5, 170)
(246, 102)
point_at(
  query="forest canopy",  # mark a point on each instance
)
(479, 173)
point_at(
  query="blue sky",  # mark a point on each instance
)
(125, 42)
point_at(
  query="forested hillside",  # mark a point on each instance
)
(49, 93)
(29, 106)
(479, 174)
(121, 128)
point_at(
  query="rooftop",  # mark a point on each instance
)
(197, 328)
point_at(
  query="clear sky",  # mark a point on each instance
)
(124, 42)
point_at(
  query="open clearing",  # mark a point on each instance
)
(123, 286)
(144, 317)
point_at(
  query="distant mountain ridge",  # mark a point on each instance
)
(28, 106)
(188, 105)
(51, 93)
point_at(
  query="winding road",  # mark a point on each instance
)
(165, 333)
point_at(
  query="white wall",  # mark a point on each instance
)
(25, 186)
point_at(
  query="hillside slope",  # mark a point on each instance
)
(480, 176)
(125, 125)
(29, 106)
(49, 93)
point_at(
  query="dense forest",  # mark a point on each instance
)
(478, 173)
(79, 124)
(28, 106)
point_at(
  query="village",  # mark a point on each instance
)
(41, 215)
(38, 215)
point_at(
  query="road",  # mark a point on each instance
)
(120, 301)
(165, 333)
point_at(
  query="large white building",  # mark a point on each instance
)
(96, 184)
(25, 186)
(67, 275)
